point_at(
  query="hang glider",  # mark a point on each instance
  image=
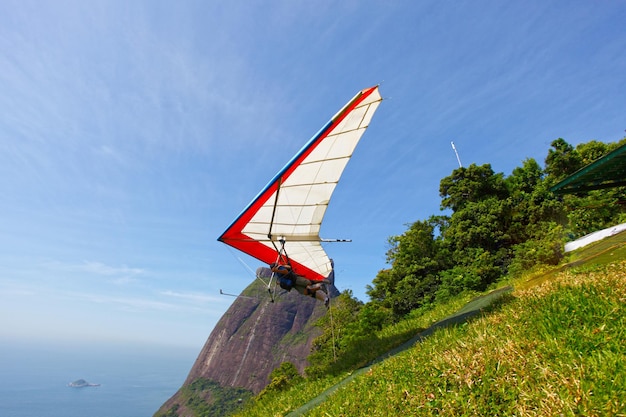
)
(284, 219)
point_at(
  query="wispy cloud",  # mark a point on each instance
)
(117, 274)
(95, 267)
(191, 296)
(133, 304)
(173, 303)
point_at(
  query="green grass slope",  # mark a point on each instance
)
(554, 346)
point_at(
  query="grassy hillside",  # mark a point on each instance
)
(555, 346)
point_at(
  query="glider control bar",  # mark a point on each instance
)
(237, 296)
(269, 233)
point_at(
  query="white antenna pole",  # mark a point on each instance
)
(457, 155)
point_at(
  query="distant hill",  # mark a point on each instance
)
(251, 339)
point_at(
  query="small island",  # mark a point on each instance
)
(81, 383)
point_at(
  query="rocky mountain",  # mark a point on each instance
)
(251, 339)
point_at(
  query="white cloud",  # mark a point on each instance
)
(135, 304)
(96, 268)
(192, 296)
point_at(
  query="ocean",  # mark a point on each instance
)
(134, 380)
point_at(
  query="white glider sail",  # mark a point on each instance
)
(290, 209)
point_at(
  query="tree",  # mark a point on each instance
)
(562, 160)
(329, 349)
(531, 202)
(591, 151)
(477, 235)
(586, 211)
(594, 210)
(416, 258)
(546, 248)
(483, 224)
(523, 180)
(470, 185)
(282, 378)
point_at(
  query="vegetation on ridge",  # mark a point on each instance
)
(499, 227)
(204, 397)
(510, 362)
(555, 347)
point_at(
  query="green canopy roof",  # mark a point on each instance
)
(606, 172)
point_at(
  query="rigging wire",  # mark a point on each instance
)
(267, 284)
(246, 266)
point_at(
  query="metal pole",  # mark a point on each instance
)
(457, 155)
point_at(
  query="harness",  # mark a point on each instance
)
(286, 281)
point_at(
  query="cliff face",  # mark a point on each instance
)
(253, 338)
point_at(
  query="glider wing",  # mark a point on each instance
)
(292, 205)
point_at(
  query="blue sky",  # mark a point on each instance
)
(133, 133)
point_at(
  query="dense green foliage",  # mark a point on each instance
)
(353, 335)
(285, 376)
(205, 398)
(495, 226)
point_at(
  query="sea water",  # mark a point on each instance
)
(134, 380)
